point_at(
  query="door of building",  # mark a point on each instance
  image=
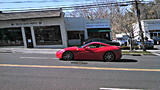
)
(28, 35)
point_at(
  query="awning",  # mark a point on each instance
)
(99, 30)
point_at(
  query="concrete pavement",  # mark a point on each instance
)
(28, 50)
(156, 51)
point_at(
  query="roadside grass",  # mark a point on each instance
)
(136, 53)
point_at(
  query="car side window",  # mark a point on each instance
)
(94, 46)
(102, 46)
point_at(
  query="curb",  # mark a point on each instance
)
(41, 51)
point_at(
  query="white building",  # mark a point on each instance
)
(33, 29)
(151, 29)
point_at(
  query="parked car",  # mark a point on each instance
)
(148, 44)
(112, 43)
(91, 51)
(122, 41)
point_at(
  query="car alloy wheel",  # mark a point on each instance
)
(109, 56)
(67, 55)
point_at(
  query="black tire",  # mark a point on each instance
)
(108, 57)
(67, 55)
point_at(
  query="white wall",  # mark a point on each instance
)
(147, 25)
(38, 22)
(75, 23)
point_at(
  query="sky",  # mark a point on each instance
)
(9, 5)
(38, 4)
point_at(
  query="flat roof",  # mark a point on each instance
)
(30, 15)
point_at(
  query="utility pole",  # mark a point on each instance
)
(139, 23)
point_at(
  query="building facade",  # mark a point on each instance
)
(33, 29)
(79, 29)
(49, 28)
(151, 29)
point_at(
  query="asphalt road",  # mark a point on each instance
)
(19, 71)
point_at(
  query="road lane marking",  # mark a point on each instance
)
(79, 67)
(118, 89)
(36, 58)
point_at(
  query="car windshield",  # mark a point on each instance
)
(94, 45)
(83, 45)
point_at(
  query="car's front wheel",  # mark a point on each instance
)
(67, 55)
(109, 56)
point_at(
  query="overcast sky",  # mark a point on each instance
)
(39, 4)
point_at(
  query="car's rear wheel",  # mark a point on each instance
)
(67, 55)
(109, 56)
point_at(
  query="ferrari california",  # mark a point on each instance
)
(91, 51)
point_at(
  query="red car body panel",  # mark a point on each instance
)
(91, 53)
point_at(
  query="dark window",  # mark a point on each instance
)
(158, 34)
(104, 35)
(151, 35)
(73, 35)
(48, 35)
(11, 37)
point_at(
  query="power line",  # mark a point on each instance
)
(80, 6)
(42, 1)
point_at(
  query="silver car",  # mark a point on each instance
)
(147, 44)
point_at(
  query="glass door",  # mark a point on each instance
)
(28, 37)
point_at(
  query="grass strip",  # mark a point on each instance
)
(136, 52)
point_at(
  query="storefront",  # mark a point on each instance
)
(79, 29)
(99, 28)
(33, 29)
(151, 29)
(49, 28)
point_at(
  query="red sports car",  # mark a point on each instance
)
(91, 51)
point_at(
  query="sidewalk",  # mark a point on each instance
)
(156, 52)
(51, 51)
(28, 50)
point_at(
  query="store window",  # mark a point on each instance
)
(159, 34)
(11, 37)
(73, 35)
(99, 33)
(48, 35)
(151, 35)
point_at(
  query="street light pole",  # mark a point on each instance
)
(139, 23)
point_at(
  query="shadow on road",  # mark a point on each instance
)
(152, 49)
(121, 60)
(126, 60)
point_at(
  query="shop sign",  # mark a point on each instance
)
(100, 25)
(25, 23)
(153, 22)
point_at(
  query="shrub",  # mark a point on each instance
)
(128, 47)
